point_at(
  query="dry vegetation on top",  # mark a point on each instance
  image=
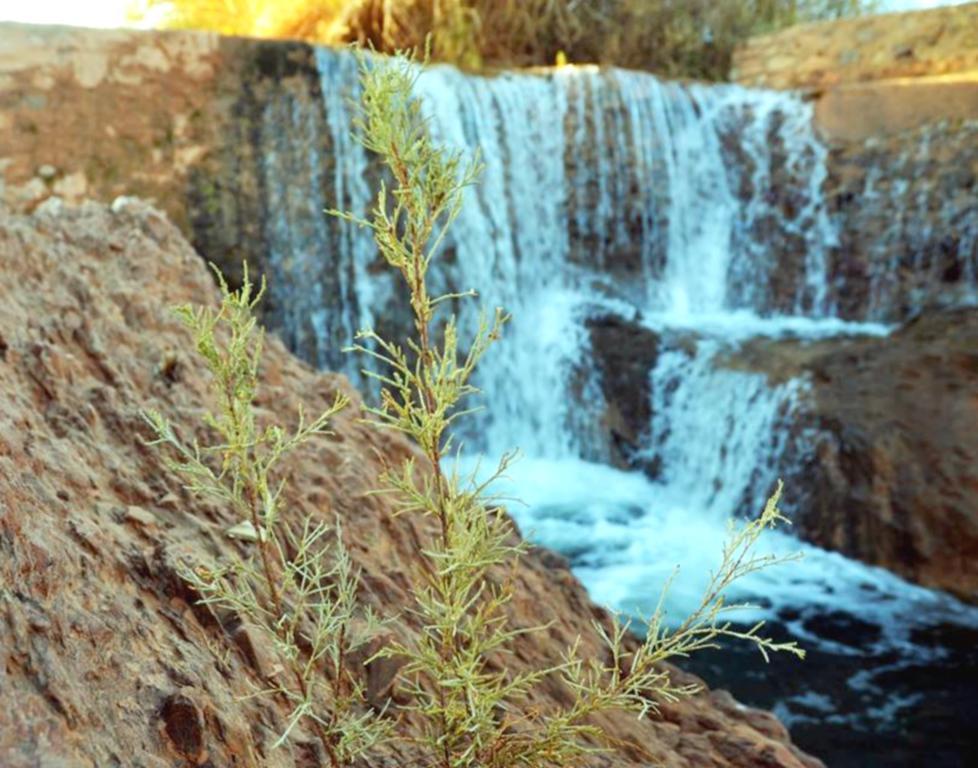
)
(681, 38)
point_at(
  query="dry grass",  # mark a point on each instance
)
(681, 38)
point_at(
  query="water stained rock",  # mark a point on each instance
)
(883, 450)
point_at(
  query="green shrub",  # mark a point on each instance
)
(463, 599)
(297, 586)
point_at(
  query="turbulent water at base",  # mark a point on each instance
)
(695, 211)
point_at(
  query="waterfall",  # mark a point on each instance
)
(924, 235)
(717, 432)
(511, 244)
(611, 188)
(686, 220)
(322, 288)
(603, 191)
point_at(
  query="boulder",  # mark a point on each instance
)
(106, 658)
(883, 460)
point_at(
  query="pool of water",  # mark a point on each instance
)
(890, 675)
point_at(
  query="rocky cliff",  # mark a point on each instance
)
(105, 657)
(896, 98)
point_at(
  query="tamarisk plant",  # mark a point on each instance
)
(298, 586)
(471, 707)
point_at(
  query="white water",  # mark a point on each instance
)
(626, 534)
(605, 192)
(600, 172)
(719, 441)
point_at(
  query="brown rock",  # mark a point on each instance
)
(184, 725)
(861, 111)
(624, 353)
(99, 636)
(821, 55)
(908, 219)
(886, 456)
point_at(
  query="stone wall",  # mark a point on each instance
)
(172, 117)
(942, 41)
(106, 113)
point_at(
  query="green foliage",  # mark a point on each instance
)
(474, 710)
(298, 586)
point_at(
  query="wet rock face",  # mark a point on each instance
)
(907, 213)
(896, 101)
(624, 353)
(884, 458)
(893, 474)
(105, 657)
(881, 459)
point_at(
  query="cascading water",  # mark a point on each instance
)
(511, 244)
(913, 216)
(694, 211)
(601, 187)
(635, 168)
(720, 458)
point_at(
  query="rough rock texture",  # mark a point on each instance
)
(208, 128)
(896, 99)
(105, 660)
(934, 42)
(884, 465)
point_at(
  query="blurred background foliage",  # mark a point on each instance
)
(677, 38)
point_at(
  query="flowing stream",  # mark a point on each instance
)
(695, 212)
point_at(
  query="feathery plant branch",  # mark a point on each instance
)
(473, 709)
(299, 589)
